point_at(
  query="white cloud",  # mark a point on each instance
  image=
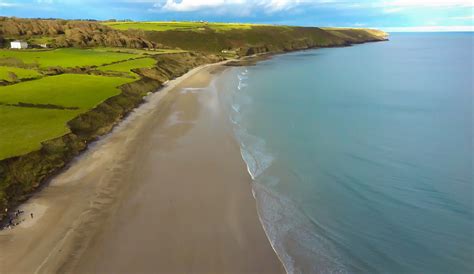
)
(428, 3)
(401, 5)
(430, 29)
(471, 17)
(279, 5)
(270, 6)
(193, 5)
(8, 4)
(265, 5)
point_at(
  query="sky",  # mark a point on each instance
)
(389, 15)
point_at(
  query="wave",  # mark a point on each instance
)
(252, 148)
(242, 77)
(254, 153)
(292, 234)
(241, 85)
(236, 107)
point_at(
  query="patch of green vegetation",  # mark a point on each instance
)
(12, 74)
(68, 90)
(65, 57)
(361, 33)
(185, 26)
(23, 129)
(127, 66)
(140, 51)
(41, 40)
(259, 37)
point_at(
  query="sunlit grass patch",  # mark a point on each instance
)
(127, 66)
(12, 74)
(66, 57)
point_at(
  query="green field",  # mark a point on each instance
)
(38, 110)
(65, 57)
(22, 129)
(140, 51)
(67, 90)
(185, 26)
(350, 33)
(19, 72)
(127, 66)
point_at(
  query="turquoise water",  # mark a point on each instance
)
(362, 156)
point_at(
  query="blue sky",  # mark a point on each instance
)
(391, 15)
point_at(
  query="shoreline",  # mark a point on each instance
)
(106, 162)
(35, 169)
(102, 202)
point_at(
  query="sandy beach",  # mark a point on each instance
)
(165, 192)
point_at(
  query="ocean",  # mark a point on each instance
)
(362, 157)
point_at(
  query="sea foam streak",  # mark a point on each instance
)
(286, 226)
(281, 219)
(252, 148)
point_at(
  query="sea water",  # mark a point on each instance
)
(362, 157)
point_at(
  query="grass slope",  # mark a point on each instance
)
(351, 34)
(68, 90)
(19, 72)
(127, 66)
(65, 57)
(139, 51)
(257, 39)
(24, 128)
(184, 26)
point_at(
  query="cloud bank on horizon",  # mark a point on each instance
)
(390, 15)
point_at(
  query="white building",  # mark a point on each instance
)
(19, 45)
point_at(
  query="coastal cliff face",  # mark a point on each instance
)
(257, 39)
(20, 176)
(261, 39)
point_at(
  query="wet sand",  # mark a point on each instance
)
(166, 192)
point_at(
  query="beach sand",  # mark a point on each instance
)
(165, 192)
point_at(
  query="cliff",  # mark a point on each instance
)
(261, 39)
(20, 176)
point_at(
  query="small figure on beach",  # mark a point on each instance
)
(31, 214)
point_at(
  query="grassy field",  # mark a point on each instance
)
(38, 110)
(67, 90)
(66, 57)
(19, 72)
(140, 51)
(127, 66)
(22, 129)
(350, 33)
(185, 26)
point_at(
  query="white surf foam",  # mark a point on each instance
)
(254, 153)
(292, 233)
(281, 218)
